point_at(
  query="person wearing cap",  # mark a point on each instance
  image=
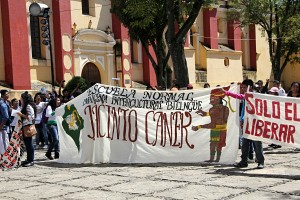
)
(189, 86)
(260, 88)
(274, 91)
(281, 91)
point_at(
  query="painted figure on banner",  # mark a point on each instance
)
(218, 126)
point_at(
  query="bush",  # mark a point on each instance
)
(72, 84)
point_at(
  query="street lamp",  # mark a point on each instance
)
(42, 10)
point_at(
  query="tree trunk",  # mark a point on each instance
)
(180, 65)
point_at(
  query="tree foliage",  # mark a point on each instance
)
(148, 20)
(280, 20)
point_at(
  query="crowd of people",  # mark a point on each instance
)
(40, 111)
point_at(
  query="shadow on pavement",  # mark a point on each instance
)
(241, 172)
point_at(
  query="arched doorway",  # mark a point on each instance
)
(91, 73)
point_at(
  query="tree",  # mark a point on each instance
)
(183, 14)
(147, 20)
(280, 21)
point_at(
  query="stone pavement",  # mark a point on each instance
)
(51, 180)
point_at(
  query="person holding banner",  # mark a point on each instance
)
(27, 115)
(52, 127)
(248, 83)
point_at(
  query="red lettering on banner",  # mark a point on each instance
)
(266, 114)
(296, 118)
(114, 122)
(271, 130)
(172, 126)
(276, 107)
(267, 129)
(259, 106)
(283, 132)
(288, 111)
(274, 130)
(259, 128)
(250, 108)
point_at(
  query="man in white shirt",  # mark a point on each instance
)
(281, 91)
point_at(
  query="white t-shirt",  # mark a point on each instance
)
(39, 111)
(14, 122)
(281, 92)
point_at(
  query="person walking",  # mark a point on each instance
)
(52, 126)
(27, 115)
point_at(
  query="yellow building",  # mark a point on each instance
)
(88, 41)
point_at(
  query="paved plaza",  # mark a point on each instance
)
(280, 179)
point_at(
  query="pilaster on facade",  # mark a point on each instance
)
(15, 43)
(62, 34)
(124, 68)
(210, 26)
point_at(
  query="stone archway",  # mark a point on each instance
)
(91, 73)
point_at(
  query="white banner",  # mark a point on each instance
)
(272, 119)
(108, 124)
(12, 156)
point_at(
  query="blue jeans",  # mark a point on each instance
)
(54, 133)
(29, 148)
(4, 141)
(257, 148)
(41, 130)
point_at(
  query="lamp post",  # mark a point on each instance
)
(42, 10)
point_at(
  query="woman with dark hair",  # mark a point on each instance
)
(52, 127)
(294, 91)
(40, 126)
(27, 115)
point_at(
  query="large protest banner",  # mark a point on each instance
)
(108, 124)
(272, 119)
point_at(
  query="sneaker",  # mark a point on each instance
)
(37, 147)
(271, 145)
(45, 147)
(251, 160)
(240, 165)
(260, 166)
(28, 164)
(48, 155)
(56, 155)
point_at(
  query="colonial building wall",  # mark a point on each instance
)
(264, 66)
(99, 16)
(2, 65)
(290, 74)
(218, 73)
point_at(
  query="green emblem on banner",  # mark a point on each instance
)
(73, 123)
